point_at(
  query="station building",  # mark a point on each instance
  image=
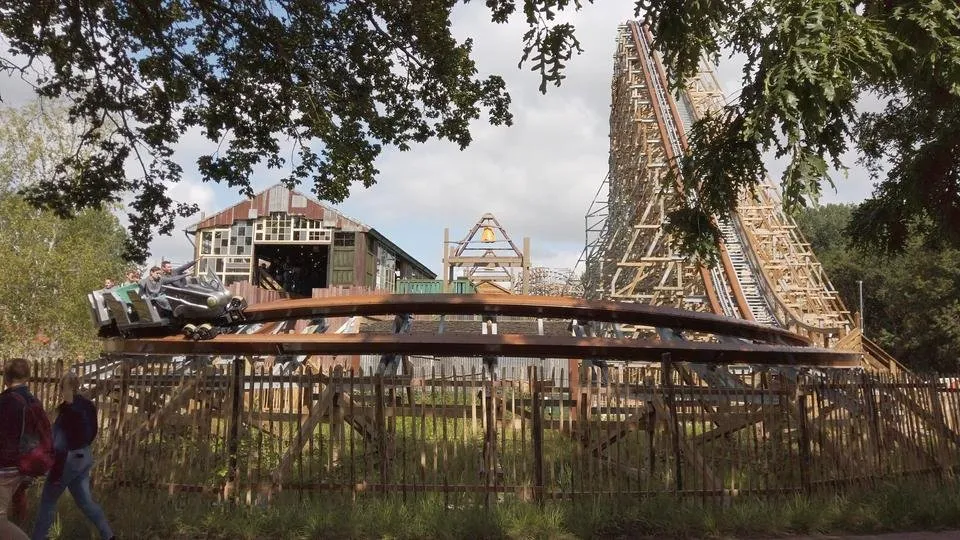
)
(283, 240)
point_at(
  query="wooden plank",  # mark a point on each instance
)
(486, 345)
(319, 409)
(133, 437)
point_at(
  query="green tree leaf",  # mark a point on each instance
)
(50, 263)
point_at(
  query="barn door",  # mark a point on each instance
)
(341, 258)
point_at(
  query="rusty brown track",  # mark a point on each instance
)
(546, 307)
(500, 345)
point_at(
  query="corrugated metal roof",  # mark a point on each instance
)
(278, 198)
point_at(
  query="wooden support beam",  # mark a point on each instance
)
(688, 452)
(133, 437)
(317, 412)
(727, 426)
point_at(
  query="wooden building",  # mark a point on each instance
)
(285, 240)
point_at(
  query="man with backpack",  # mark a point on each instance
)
(26, 444)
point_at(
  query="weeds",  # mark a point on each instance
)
(891, 507)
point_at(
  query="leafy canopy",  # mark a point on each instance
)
(807, 64)
(49, 263)
(337, 81)
(333, 80)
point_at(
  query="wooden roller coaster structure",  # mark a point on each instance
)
(768, 307)
(695, 346)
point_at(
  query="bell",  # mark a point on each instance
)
(488, 235)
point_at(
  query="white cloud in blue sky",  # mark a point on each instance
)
(538, 176)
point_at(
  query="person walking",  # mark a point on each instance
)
(23, 431)
(73, 433)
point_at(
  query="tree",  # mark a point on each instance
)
(911, 299)
(334, 80)
(339, 80)
(808, 62)
(824, 227)
(49, 263)
(921, 297)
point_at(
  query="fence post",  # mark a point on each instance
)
(873, 424)
(489, 438)
(121, 425)
(804, 438)
(56, 385)
(233, 441)
(573, 382)
(940, 427)
(666, 374)
(381, 430)
(537, 434)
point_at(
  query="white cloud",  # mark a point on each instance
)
(176, 247)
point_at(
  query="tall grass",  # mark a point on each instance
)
(891, 507)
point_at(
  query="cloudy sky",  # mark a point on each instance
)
(538, 176)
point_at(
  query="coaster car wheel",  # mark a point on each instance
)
(207, 331)
(190, 331)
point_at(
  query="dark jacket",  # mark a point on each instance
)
(75, 428)
(177, 275)
(150, 288)
(11, 423)
(78, 422)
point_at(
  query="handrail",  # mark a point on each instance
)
(876, 351)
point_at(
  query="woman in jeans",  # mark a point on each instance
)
(73, 432)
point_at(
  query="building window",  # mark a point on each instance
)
(344, 239)
(240, 238)
(285, 228)
(227, 269)
(214, 242)
(206, 242)
(276, 228)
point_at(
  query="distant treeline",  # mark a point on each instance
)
(911, 299)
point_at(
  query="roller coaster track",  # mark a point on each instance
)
(727, 279)
(767, 272)
(780, 347)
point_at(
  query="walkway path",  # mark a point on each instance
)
(942, 535)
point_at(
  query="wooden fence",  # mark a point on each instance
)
(242, 430)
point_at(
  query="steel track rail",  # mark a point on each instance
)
(484, 345)
(520, 306)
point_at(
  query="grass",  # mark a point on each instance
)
(892, 507)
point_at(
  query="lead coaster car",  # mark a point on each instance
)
(198, 306)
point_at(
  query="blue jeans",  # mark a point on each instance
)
(76, 478)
